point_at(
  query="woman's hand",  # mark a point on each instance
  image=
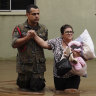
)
(75, 54)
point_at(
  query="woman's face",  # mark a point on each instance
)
(68, 34)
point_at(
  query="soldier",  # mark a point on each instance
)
(30, 57)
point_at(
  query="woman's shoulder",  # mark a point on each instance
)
(55, 40)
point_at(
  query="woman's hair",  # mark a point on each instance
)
(62, 29)
(31, 6)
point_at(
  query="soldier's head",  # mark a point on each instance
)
(28, 8)
(32, 12)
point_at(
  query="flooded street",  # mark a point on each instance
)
(8, 77)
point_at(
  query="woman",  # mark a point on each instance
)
(58, 45)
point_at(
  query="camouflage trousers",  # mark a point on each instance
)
(33, 82)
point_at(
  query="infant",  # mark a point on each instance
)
(74, 49)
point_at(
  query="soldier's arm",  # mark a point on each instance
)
(20, 41)
(17, 40)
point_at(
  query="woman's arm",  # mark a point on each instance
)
(39, 40)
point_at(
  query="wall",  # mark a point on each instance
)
(79, 13)
(53, 13)
(7, 24)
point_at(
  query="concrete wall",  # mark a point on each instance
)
(7, 24)
(53, 13)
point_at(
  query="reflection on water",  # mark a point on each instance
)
(8, 85)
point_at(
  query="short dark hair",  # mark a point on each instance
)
(62, 29)
(31, 6)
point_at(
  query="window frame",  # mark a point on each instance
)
(10, 10)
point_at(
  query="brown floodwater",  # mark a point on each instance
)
(8, 85)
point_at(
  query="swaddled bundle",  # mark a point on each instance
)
(75, 49)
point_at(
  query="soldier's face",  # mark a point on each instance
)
(33, 16)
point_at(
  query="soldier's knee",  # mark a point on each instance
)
(32, 83)
(37, 84)
(23, 82)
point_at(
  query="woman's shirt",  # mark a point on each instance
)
(58, 51)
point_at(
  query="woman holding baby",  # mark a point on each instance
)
(69, 81)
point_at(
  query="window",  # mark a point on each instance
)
(14, 4)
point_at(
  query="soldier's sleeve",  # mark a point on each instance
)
(15, 35)
(43, 32)
(46, 34)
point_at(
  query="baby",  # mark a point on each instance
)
(74, 49)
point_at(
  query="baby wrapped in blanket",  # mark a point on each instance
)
(78, 63)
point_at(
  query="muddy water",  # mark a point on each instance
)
(8, 85)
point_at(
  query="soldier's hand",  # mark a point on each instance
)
(31, 33)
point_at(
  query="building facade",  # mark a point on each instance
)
(81, 14)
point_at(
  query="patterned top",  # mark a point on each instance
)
(58, 50)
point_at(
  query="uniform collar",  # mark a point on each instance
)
(30, 27)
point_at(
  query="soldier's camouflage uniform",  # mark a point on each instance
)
(30, 58)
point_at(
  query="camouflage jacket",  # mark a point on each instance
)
(30, 56)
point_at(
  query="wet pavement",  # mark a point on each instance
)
(8, 85)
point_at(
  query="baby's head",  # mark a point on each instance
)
(75, 45)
